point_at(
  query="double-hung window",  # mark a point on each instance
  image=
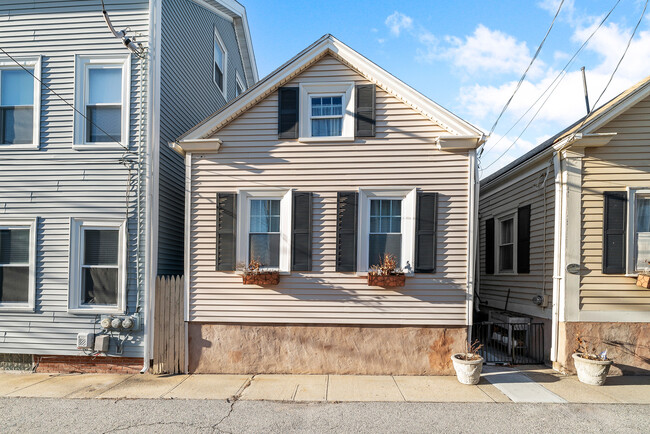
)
(326, 112)
(97, 266)
(506, 247)
(385, 235)
(264, 232)
(101, 96)
(17, 257)
(326, 115)
(638, 242)
(19, 103)
(220, 62)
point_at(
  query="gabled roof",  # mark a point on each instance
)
(235, 12)
(585, 125)
(329, 45)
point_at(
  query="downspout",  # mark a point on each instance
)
(471, 242)
(557, 252)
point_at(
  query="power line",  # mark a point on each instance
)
(560, 76)
(521, 80)
(65, 102)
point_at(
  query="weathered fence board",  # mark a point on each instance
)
(169, 327)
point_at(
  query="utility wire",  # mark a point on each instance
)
(65, 102)
(521, 80)
(560, 76)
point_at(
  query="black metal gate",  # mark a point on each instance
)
(510, 343)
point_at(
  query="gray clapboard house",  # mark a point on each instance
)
(91, 198)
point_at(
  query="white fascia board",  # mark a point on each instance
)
(198, 145)
(366, 68)
(459, 142)
(207, 5)
(617, 109)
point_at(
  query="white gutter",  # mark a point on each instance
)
(557, 253)
(472, 217)
(151, 202)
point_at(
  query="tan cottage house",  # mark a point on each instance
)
(317, 171)
(565, 232)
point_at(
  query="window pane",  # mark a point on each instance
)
(218, 76)
(101, 246)
(218, 55)
(265, 216)
(506, 258)
(507, 227)
(374, 207)
(265, 248)
(380, 244)
(374, 224)
(99, 285)
(104, 86)
(14, 246)
(390, 212)
(326, 127)
(396, 224)
(385, 225)
(106, 118)
(14, 284)
(17, 87)
(17, 125)
(396, 207)
(642, 250)
(643, 214)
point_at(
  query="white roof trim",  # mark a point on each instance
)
(330, 45)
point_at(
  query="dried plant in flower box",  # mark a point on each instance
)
(254, 274)
(386, 274)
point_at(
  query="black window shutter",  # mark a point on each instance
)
(346, 231)
(425, 232)
(288, 112)
(226, 225)
(523, 239)
(614, 226)
(489, 246)
(365, 111)
(301, 232)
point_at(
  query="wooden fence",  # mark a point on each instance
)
(169, 326)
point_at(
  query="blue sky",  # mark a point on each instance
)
(468, 55)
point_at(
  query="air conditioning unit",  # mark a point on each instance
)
(85, 341)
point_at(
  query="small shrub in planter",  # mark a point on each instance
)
(386, 273)
(468, 365)
(592, 367)
(253, 274)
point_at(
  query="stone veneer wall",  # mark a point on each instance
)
(628, 344)
(323, 349)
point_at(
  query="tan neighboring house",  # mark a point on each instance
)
(565, 231)
(317, 170)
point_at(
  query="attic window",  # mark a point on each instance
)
(326, 115)
(327, 112)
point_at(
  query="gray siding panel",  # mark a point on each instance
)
(188, 95)
(56, 182)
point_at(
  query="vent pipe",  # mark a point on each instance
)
(584, 85)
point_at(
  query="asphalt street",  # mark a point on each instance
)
(205, 416)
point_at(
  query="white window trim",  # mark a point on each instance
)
(497, 242)
(630, 247)
(243, 223)
(408, 197)
(35, 63)
(75, 304)
(82, 63)
(218, 40)
(31, 297)
(239, 83)
(344, 89)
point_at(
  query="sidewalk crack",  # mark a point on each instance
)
(232, 400)
(398, 389)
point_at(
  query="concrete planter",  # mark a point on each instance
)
(593, 372)
(467, 371)
(261, 279)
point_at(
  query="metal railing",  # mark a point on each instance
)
(510, 343)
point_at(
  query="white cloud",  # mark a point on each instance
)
(397, 22)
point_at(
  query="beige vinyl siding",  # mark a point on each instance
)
(624, 162)
(403, 153)
(507, 197)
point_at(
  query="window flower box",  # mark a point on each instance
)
(386, 280)
(262, 278)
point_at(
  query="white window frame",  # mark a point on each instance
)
(631, 249)
(32, 62)
(82, 65)
(243, 223)
(497, 243)
(343, 89)
(239, 83)
(219, 41)
(408, 197)
(30, 224)
(75, 292)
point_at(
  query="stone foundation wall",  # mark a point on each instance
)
(316, 349)
(628, 344)
(88, 364)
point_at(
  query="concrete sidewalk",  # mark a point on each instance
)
(526, 384)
